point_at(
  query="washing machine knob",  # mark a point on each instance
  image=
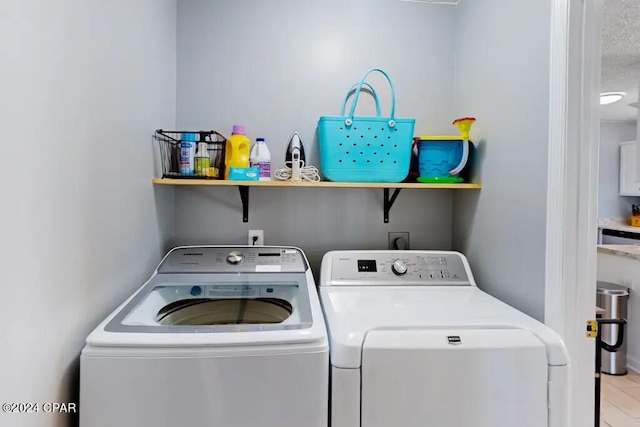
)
(235, 257)
(399, 268)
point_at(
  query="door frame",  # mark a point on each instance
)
(572, 189)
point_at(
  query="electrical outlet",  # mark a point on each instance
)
(256, 237)
(399, 240)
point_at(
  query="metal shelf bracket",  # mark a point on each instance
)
(388, 202)
(244, 196)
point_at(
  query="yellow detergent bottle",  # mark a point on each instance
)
(237, 151)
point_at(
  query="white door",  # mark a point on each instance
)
(454, 378)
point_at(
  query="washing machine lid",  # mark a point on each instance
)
(206, 303)
(201, 297)
(352, 312)
(232, 311)
(217, 304)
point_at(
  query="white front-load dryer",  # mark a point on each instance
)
(415, 343)
(217, 337)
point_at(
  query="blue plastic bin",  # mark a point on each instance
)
(438, 156)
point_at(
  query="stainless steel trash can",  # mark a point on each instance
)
(613, 299)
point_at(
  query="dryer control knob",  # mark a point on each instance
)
(235, 257)
(399, 268)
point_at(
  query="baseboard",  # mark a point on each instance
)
(633, 364)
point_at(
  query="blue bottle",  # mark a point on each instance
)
(187, 154)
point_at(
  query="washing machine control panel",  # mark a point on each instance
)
(218, 259)
(398, 267)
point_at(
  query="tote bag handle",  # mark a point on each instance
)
(392, 121)
(373, 93)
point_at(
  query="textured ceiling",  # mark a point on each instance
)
(621, 57)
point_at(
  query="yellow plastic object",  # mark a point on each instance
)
(464, 124)
(236, 154)
(634, 221)
(592, 328)
(213, 172)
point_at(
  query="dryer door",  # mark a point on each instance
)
(454, 378)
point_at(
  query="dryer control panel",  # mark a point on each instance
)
(233, 259)
(388, 268)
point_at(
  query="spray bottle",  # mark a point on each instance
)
(187, 153)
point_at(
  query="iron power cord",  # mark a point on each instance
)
(307, 173)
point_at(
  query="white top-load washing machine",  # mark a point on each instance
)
(217, 337)
(415, 343)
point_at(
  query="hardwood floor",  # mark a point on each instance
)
(620, 399)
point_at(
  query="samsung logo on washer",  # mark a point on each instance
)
(192, 254)
(454, 339)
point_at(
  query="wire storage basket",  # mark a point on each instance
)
(179, 163)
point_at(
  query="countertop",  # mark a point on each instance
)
(619, 224)
(627, 251)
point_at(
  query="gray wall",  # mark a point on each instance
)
(317, 220)
(502, 78)
(610, 204)
(83, 84)
(278, 66)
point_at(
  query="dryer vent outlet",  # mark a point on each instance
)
(399, 240)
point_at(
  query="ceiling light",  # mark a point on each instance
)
(611, 97)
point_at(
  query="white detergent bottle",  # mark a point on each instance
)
(261, 158)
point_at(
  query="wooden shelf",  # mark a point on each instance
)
(325, 184)
(243, 188)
